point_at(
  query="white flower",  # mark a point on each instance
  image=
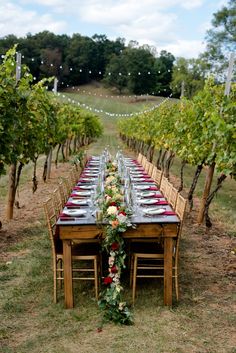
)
(111, 260)
(122, 218)
(112, 210)
(116, 278)
(122, 305)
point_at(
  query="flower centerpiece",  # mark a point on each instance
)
(117, 215)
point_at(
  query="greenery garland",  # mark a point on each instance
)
(116, 214)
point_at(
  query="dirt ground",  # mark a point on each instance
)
(30, 211)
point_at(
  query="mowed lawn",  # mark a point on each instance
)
(202, 322)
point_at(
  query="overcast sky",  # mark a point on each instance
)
(178, 26)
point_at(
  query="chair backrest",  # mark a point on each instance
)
(73, 175)
(51, 218)
(71, 179)
(173, 197)
(168, 189)
(146, 167)
(164, 185)
(150, 169)
(181, 205)
(144, 162)
(140, 157)
(58, 200)
(67, 186)
(157, 175)
(63, 192)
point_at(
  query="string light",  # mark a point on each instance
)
(82, 70)
(116, 114)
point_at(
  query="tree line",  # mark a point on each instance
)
(78, 59)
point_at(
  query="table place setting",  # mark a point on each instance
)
(115, 196)
(72, 214)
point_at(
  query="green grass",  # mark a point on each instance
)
(104, 99)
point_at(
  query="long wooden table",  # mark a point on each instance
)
(160, 226)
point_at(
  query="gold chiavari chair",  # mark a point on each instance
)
(81, 253)
(148, 263)
(181, 205)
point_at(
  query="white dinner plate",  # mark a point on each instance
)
(82, 193)
(87, 179)
(86, 187)
(136, 175)
(80, 202)
(90, 174)
(148, 201)
(147, 194)
(141, 187)
(138, 179)
(75, 213)
(153, 211)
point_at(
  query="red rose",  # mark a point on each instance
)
(115, 246)
(113, 203)
(107, 280)
(122, 212)
(114, 269)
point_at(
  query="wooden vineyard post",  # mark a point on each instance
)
(12, 169)
(11, 191)
(49, 164)
(206, 191)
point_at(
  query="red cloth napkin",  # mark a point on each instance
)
(156, 203)
(76, 196)
(65, 217)
(71, 204)
(77, 188)
(157, 196)
(162, 203)
(147, 180)
(169, 213)
(153, 188)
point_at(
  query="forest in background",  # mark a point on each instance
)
(130, 68)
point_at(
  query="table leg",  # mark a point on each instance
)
(68, 285)
(168, 248)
